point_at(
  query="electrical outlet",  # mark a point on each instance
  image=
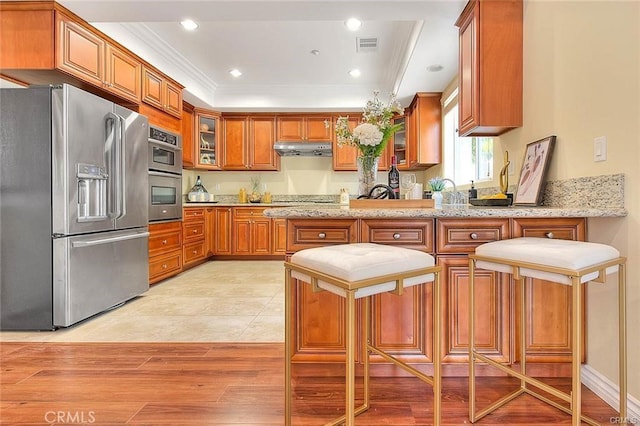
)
(600, 148)
(512, 168)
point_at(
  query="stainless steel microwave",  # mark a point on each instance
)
(165, 151)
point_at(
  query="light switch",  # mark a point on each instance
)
(600, 148)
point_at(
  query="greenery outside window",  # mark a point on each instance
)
(465, 159)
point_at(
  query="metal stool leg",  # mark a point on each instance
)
(437, 374)
(472, 362)
(287, 346)
(365, 347)
(576, 315)
(622, 338)
(350, 359)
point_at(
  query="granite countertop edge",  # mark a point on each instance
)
(337, 211)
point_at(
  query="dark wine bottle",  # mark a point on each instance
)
(394, 177)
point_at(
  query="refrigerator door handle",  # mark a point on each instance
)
(122, 167)
(113, 125)
(99, 241)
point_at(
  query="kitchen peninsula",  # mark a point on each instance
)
(402, 325)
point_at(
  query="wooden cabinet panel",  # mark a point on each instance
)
(165, 250)
(262, 136)
(193, 231)
(235, 152)
(165, 266)
(414, 234)
(160, 92)
(464, 235)
(344, 157)
(490, 64)
(27, 40)
(302, 234)
(252, 231)
(492, 322)
(81, 53)
(279, 236)
(123, 74)
(209, 230)
(223, 223)
(193, 252)
(425, 130)
(188, 132)
(399, 324)
(548, 304)
(310, 128)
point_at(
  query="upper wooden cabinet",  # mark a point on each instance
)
(160, 92)
(344, 157)
(248, 143)
(490, 64)
(187, 131)
(424, 136)
(206, 139)
(44, 43)
(304, 128)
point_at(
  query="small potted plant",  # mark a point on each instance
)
(437, 185)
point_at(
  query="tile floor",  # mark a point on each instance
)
(219, 301)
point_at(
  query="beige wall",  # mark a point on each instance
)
(581, 81)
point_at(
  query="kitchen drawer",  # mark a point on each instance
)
(303, 234)
(248, 212)
(558, 228)
(193, 214)
(464, 235)
(413, 234)
(166, 265)
(193, 231)
(193, 252)
(164, 242)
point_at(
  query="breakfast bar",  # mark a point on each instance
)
(402, 325)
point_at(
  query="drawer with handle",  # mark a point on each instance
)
(414, 234)
(191, 214)
(193, 252)
(303, 234)
(556, 228)
(163, 266)
(193, 231)
(464, 235)
(162, 243)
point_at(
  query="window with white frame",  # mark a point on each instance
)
(465, 158)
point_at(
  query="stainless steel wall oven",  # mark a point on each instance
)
(165, 175)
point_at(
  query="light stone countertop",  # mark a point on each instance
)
(337, 211)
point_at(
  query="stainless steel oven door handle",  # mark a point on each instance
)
(99, 241)
(164, 145)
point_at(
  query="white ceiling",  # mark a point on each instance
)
(270, 42)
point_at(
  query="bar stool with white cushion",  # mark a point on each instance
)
(356, 271)
(560, 261)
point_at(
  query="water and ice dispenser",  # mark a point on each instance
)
(92, 192)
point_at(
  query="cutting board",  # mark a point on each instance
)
(390, 204)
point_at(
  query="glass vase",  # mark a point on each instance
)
(437, 199)
(367, 173)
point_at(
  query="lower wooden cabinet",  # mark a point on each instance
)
(279, 243)
(251, 231)
(222, 225)
(165, 250)
(193, 230)
(402, 325)
(549, 304)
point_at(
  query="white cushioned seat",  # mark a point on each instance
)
(361, 261)
(573, 255)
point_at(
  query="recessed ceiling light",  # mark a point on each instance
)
(353, 24)
(235, 72)
(355, 73)
(434, 68)
(189, 24)
(315, 52)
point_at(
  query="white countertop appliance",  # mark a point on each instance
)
(73, 206)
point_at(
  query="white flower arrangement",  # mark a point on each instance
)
(375, 130)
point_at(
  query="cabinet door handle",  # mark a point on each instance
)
(164, 241)
(396, 236)
(195, 251)
(549, 235)
(164, 266)
(322, 235)
(195, 231)
(473, 236)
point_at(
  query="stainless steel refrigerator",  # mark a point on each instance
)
(73, 206)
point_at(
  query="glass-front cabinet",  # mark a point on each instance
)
(400, 143)
(207, 140)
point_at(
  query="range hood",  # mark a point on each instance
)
(303, 149)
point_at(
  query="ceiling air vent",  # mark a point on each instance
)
(366, 44)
